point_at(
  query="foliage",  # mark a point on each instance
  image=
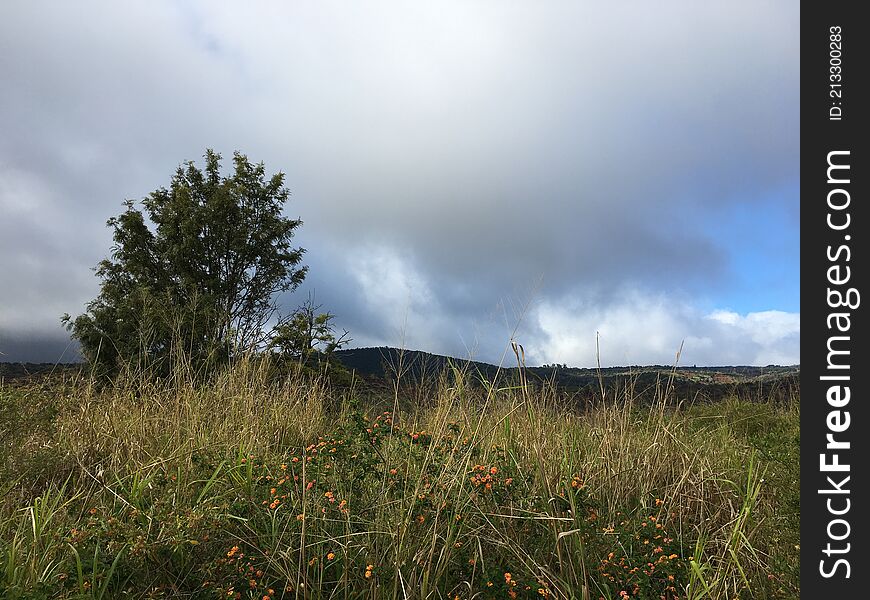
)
(200, 263)
(251, 488)
(308, 332)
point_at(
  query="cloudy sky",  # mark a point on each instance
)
(466, 171)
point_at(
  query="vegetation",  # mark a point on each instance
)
(201, 264)
(308, 333)
(261, 484)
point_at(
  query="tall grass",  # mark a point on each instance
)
(252, 485)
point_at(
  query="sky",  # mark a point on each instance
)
(467, 172)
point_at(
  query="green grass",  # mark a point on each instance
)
(250, 487)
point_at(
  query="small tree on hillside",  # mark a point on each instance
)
(197, 269)
(308, 332)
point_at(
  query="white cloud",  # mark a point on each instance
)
(649, 328)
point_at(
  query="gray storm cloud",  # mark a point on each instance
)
(446, 159)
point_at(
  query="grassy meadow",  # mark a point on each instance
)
(253, 485)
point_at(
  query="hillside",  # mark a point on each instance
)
(687, 382)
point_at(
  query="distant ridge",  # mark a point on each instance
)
(372, 360)
(376, 363)
(709, 382)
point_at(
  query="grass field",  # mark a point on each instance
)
(252, 486)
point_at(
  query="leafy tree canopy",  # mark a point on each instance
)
(195, 271)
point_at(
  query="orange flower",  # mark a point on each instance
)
(330, 556)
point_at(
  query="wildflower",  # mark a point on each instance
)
(369, 569)
(300, 517)
(420, 519)
(393, 471)
(330, 556)
(659, 501)
(493, 470)
(232, 551)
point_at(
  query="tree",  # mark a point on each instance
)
(197, 269)
(308, 332)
